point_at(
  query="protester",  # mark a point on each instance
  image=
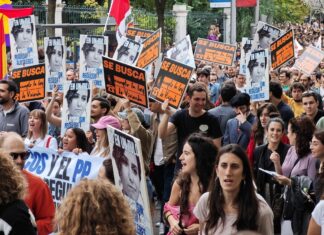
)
(225, 111)
(39, 197)
(15, 217)
(94, 207)
(37, 131)
(298, 162)
(238, 129)
(266, 186)
(310, 105)
(75, 140)
(295, 102)
(13, 116)
(231, 205)
(317, 149)
(191, 120)
(259, 129)
(197, 159)
(275, 97)
(101, 147)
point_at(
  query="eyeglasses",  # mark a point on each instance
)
(23, 155)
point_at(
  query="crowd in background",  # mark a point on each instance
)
(206, 161)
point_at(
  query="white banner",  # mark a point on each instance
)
(62, 171)
(23, 42)
(129, 174)
(128, 51)
(265, 35)
(92, 48)
(55, 62)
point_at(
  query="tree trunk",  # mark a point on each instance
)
(51, 17)
(160, 7)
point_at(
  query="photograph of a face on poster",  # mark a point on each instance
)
(265, 35)
(23, 42)
(246, 46)
(257, 66)
(182, 52)
(92, 50)
(128, 51)
(76, 105)
(55, 56)
(129, 175)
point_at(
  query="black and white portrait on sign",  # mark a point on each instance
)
(23, 42)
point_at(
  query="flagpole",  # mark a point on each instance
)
(112, 2)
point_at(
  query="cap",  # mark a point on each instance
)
(104, 121)
(139, 113)
(240, 99)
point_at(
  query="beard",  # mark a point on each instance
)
(3, 101)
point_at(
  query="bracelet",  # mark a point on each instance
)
(166, 218)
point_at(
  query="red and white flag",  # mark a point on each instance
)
(120, 10)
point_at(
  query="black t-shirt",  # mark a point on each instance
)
(207, 124)
(15, 219)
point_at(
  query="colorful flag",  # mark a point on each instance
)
(120, 10)
(3, 53)
(246, 3)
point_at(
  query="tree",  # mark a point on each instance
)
(51, 17)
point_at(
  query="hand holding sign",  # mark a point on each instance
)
(165, 107)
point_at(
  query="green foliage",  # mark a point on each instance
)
(199, 23)
(293, 11)
(245, 16)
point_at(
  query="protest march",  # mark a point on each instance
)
(128, 130)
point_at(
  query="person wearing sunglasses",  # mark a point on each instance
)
(38, 197)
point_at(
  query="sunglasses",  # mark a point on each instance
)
(23, 155)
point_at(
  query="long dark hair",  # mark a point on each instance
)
(304, 129)
(81, 140)
(246, 200)
(257, 128)
(205, 153)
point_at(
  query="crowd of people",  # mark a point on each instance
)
(221, 164)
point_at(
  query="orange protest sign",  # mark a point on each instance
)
(151, 49)
(30, 82)
(215, 52)
(171, 82)
(309, 60)
(282, 50)
(142, 33)
(123, 79)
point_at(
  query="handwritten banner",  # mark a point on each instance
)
(30, 82)
(171, 82)
(151, 49)
(122, 79)
(61, 171)
(129, 175)
(215, 52)
(309, 60)
(132, 33)
(282, 50)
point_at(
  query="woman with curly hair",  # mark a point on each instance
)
(15, 217)
(299, 161)
(94, 207)
(197, 159)
(232, 205)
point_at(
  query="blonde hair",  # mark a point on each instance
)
(102, 144)
(12, 184)
(38, 113)
(94, 207)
